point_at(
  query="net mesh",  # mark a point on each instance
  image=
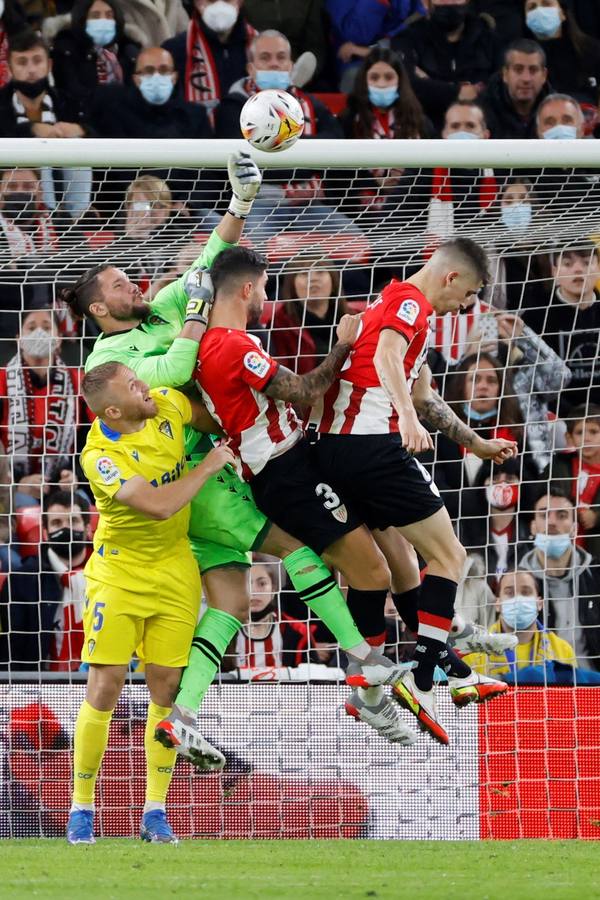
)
(334, 238)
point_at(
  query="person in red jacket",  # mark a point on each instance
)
(304, 324)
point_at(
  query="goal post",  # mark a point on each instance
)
(337, 220)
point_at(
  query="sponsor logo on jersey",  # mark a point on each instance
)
(108, 471)
(256, 363)
(91, 646)
(408, 312)
(135, 455)
(165, 428)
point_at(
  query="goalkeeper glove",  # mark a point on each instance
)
(199, 289)
(245, 180)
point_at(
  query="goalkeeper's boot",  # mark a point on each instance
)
(466, 637)
(80, 827)
(155, 828)
(422, 705)
(178, 732)
(475, 688)
(376, 669)
(382, 717)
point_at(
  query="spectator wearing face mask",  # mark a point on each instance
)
(514, 93)
(41, 408)
(569, 319)
(150, 107)
(211, 54)
(93, 49)
(577, 471)
(450, 55)
(572, 57)
(520, 609)
(30, 107)
(42, 604)
(569, 575)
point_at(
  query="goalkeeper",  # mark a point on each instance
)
(159, 341)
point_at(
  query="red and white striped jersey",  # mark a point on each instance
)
(356, 403)
(449, 333)
(233, 370)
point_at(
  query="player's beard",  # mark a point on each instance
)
(139, 311)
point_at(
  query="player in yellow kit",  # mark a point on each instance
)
(143, 586)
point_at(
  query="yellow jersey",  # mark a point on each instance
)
(157, 454)
(544, 645)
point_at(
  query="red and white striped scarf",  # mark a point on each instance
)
(5, 75)
(441, 187)
(202, 84)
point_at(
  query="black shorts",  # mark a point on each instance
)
(382, 482)
(290, 492)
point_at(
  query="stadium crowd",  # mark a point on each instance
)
(521, 364)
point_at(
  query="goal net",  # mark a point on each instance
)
(337, 221)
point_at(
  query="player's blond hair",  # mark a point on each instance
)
(95, 382)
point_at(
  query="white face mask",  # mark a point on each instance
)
(220, 16)
(38, 344)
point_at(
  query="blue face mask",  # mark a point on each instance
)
(382, 98)
(517, 216)
(544, 21)
(475, 416)
(462, 136)
(101, 31)
(272, 79)
(553, 545)
(520, 612)
(156, 89)
(560, 133)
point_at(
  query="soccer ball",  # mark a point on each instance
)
(272, 120)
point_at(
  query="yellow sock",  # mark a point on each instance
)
(160, 762)
(89, 743)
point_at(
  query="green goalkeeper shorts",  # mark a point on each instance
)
(225, 524)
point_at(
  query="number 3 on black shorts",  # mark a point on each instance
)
(332, 501)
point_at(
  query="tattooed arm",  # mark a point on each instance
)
(305, 390)
(436, 411)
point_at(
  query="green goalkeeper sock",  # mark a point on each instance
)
(317, 587)
(211, 639)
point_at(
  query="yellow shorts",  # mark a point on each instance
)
(162, 614)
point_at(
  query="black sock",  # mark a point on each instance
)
(367, 610)
(453, 665)
(436, 608)
(407, 604)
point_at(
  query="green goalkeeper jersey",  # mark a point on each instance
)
(152, 349)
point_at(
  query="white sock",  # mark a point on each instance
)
(151, 805)
(361, 651)
(371, 696)
(75, 807)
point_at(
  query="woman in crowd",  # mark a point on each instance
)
(93, 50)
(572, 57)
(40, 406)
(383, 106)
(304, 324)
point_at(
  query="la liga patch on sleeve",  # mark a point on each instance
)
(107, 470)
(256, 363)
(409, 311)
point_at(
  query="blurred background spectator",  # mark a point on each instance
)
(513, 94)
(570, 576)
(358, 24)
(12, 21)
(310, 308)
(302, 24)
(150, 22)
(91, 47)
(211, 54)
(572, 56)
(451, 54)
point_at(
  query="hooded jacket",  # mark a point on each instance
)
(572, 603)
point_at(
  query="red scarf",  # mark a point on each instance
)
(5, 75)
(383, 124)
(441, 187)
(202, 83)
(586, 481)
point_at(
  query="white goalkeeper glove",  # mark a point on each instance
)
(199, 288)
(245, 179)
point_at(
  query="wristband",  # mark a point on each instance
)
(197, 310)
(239, 208)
